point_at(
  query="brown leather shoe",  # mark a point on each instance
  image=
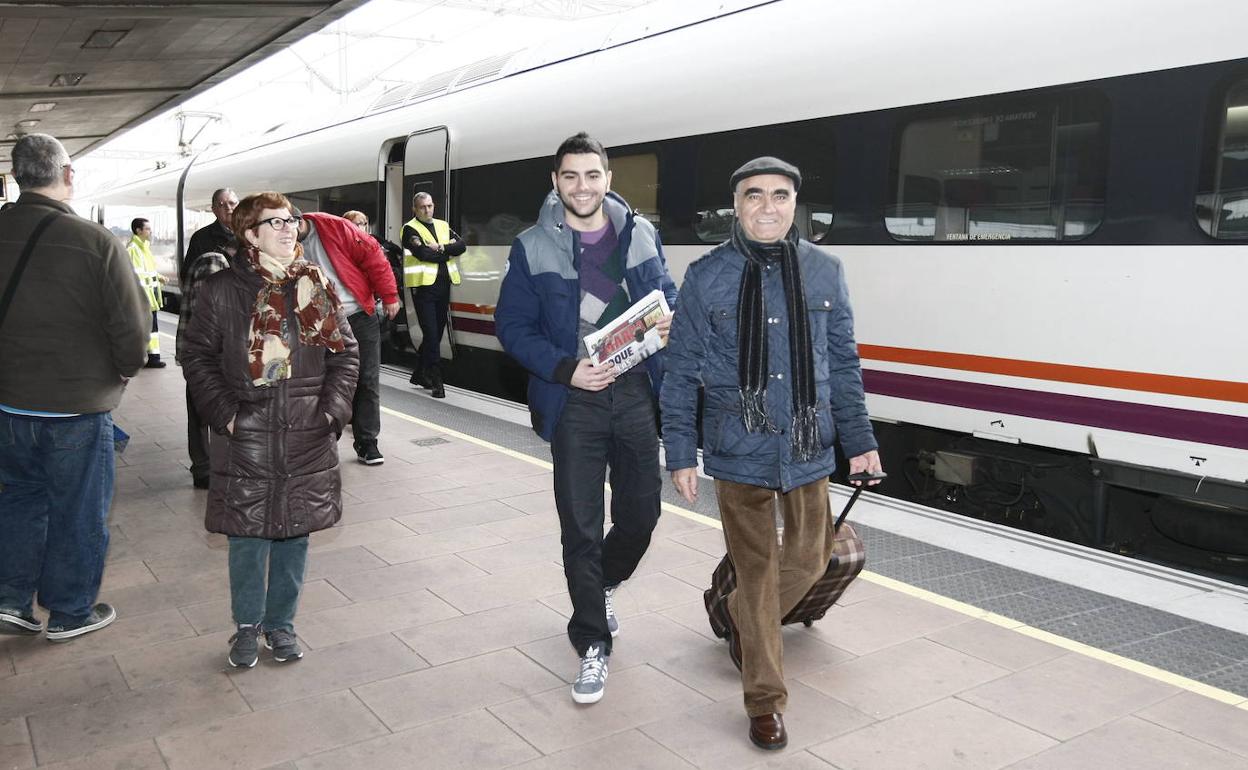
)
(767, 732)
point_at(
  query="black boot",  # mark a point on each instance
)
(435, 384)
(419, 379)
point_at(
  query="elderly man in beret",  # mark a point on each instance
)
(765, 327)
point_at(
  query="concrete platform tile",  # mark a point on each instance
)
(172, 536)
(664, 555)
(81, 682)
(365, 532)
(326, 669)
(903, 677)
(447, 541)
(142, 755)
(75, 731)
(651, 592)
(462, 637)
(340, 562)
(629, 750)
(717, 735)
(500, 558)
(124, 634)
(1137, 744)
(363, 619)
(674, 525)
(874, 624)
(533, 503)
(707, 540)
(1068, 696)
(156, 597)
(1218, 724)
(405, 578)
(457, 515)
(124, 574)
(480, 493)
(697, 574)
(997, 645)
(691, 615)
(16, 753)
(356, 512)
(644, 639)
(291, 731)
(560, 603)
(862, 590)
(194, 657)
(503, 588)
(366, 492)
(551, 721)
(182, 566)
(525, 527)
(475, 741)
(945, 734)
(210, 617)
(455, 688)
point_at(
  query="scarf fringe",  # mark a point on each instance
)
(805, 441)
(754, 410)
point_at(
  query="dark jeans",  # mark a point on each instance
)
(432, 305)
(284, 561)
(196, 439)
(56, 475)
(366, 406)
(613, 427)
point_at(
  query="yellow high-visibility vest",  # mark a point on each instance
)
(417, 273)
(145, 267)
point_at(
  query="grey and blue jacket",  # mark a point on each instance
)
(703, 350)
(537, 317)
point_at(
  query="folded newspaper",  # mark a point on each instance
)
(632, 337)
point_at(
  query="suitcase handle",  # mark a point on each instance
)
(845, 511)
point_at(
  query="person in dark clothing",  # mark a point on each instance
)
(394, 255)
(197, 436)
(216, 237)
(429, 270)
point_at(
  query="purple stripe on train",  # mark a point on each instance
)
(1181, 424)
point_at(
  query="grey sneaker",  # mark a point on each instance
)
(244, 649)
(592, 680)
(284, 644)
(613, 623)
(101, 615)
(12, 621)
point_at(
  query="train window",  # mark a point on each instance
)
(339, 200)
(1027, 168)
(807, 145)
(496, 203)
(636, 179)
(1222, 206)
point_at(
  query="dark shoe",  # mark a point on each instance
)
(101, 615)
(767, 732)
(435, 385)
(154, 363)
(369, 454)
(244, 649)
(14, 622)
(284, 644)
(419, 379)
(200, 482)
(613, 623)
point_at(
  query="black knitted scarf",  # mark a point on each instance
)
(752, 338)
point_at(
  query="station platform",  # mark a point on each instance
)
(433, 620)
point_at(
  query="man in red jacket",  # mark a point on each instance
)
(359, 270)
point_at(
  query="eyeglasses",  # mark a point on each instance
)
(278, 223)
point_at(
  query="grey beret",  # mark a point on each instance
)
(766, 165)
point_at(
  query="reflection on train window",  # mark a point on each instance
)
(807, 145)
(636, 179)
(1222, 205)
(339, 200)
(497, 202)
(1027, 168)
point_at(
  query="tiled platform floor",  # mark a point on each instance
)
(433, 620)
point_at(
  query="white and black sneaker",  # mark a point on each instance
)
(369, 454)
(101, 615)
(613, 623)
(13, 621)
(284, 644)
(592, 681)
(244, 647)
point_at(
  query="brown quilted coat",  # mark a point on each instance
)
(277, 475)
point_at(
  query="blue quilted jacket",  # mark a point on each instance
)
(703, 351)
(539, 303)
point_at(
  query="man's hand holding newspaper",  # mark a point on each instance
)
(637, 334)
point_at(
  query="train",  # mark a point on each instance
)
(1043, 217)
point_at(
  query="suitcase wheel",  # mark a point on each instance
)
(808, 623)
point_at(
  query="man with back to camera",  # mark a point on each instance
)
(358, 268)
(140, 250)
(63, 374)
(765, 327)
(429, 269)
(576, 270)
(209, 252)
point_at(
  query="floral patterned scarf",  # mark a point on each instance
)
(316, 322)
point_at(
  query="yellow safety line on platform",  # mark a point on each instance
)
(1135, 666)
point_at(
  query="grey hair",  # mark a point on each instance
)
(38, 160)
(420, 195)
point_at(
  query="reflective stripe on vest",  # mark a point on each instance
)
(145, 268)
(417, 273)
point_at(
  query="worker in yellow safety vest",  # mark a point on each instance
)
(144, 263)
(430, 247)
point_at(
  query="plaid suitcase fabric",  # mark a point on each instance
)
(848, 557)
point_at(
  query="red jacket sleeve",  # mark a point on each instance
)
(367, 254)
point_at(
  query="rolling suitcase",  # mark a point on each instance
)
(847, 560)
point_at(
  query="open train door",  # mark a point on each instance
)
(426, 168)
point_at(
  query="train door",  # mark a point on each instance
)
(426, 168)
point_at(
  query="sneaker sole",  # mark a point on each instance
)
(62, 636)
(587, 697)
(298, 656)
(252, 664)
(13, 625)
(378, 461)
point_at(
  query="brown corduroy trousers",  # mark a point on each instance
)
(771, 580)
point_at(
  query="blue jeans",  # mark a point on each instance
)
(56, 486)
(284, 561)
